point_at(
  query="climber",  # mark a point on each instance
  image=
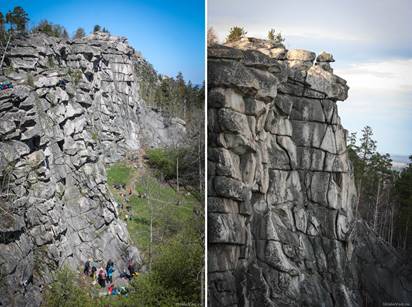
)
(130, 190)
(101, 278)
(125, 275)
(109, 270)
(131, 268)
(62, 84)
(94, 270)
(86, 270)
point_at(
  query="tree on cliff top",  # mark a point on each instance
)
(272, 36)
(79, 33)
(235, 34)
(17, 19)
(96, 28)
(211, 36)
(50, 29)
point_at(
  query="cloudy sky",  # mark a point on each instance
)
(371, 42)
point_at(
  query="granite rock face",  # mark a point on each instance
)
(281, 191)
(74, 108)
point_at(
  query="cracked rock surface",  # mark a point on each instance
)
(281, 191)
(74, 108)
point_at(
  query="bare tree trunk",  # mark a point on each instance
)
(406, 234)
(202, 287)
(4, 53)
(391, 228)
(199, 155)
(177, 174)
(375, 217)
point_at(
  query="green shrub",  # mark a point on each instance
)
(147, 290)
(164, 160)
(118, 174)
(235, 34)
(178, 266)
(75, 75)
(65, 291)
(50, 62)
(94, 136)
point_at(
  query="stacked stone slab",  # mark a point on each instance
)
(75, 106)
(281, 191)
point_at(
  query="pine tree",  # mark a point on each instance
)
(96, 28)
(17, 19)
(271, 34)
(235, 34)
(79, 33)
(65, 35)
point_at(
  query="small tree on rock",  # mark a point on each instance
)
(276, 37)
(235, 34)
(96, 28)
(65, 35)
(211, 36)
(271, 34)
(79, 33)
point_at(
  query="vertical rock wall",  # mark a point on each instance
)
(281, 191)
(75, 106)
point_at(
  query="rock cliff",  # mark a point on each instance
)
(281, 194)
(75, 106)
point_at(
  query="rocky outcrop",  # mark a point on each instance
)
(281, 190)
(75, 106)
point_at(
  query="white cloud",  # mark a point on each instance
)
(388, 75)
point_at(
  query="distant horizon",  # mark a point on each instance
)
(374, 57)
(170, 35)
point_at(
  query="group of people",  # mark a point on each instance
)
(6, 85)
(5, 88)
(104, 276)
(101, 275)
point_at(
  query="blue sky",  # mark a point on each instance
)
(170, 34)
(371, 42)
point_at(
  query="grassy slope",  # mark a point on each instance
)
(170, 209)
